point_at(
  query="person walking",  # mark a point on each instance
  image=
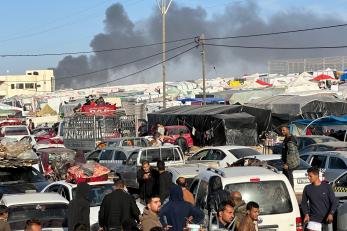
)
(117, 207)
(4, 226)
(79, 207)
(225, 218)
(150, 218)
(187, 195)
(182, 142)
(318, 202)
(147, 177)
(290, 154)
(250, 221)
(239, 207)
(177, 212)
(165, 181)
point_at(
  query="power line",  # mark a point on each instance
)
(142, 70)
(279, 32)
(277, 48)
(96, 51)
(123, 64)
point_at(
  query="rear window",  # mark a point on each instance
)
(106, 155)
(243, 152)
(16, 131)
(324, 139)
(50, 215)
(20, 175)
(97, 193)
(272, 196)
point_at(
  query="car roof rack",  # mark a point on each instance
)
(217, 171)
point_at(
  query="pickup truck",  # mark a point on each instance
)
(127, 170)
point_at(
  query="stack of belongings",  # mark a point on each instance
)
(252, 161)
(88, 172)
(15, 154)
(56, 163)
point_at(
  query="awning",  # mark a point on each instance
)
(323, 77)
(324, 121)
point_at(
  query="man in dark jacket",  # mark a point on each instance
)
(177, 212)
(79, 207)
(4, 226)
(216, 194)
(165, 181)
(182, 142)
(147, 178)
(117, 207)
(290, 154)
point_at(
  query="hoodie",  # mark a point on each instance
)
(79, 207)
(216, 194)
(176, 212)
(149, 220)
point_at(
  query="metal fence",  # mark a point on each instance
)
(288, 66)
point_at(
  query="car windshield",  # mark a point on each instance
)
(273, 196)
(243, 152)
(278, 164)
(20, 175)
(16, 131)
(50, 215)
(177, 131)
(97, 193)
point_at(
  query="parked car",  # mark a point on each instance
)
(98, 191)
(127, 141)
(21, 180)
(171, 155)
(299, 174)
(304, 141)
(279, 208)
(223, 155)
(15, 132)
(173, 132)
(332, 163)
(112, 157)
(328, 146)
(340, 188)
(50, 209)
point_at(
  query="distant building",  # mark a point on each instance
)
(32, 83)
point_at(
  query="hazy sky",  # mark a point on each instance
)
(41, 26)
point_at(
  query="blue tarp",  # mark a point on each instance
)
(325, 121)
(343, 77)
(207, 100)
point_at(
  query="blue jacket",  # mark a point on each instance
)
(176, 212)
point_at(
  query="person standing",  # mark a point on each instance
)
(177, 212)
(4, 226)
(147, 177)
(31, 125)
(116, 208)
(290, 154)
(187, 195)
(318, 202)
(250, 221)
(165, 181)
(225, 216)
(182, 142)
(79, 207)
(150, 218)
(239, 207)
(216, 195)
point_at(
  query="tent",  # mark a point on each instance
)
(301, 84)
(343, 77)
(263, 83)
(323, 77)
(216, 124)
(200, 100)
(323, 121)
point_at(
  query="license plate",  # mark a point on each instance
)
(302, 181)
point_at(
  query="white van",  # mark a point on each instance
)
(279, 210)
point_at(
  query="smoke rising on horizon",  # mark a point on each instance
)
(236, 19)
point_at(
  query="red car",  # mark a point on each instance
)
(174, 132)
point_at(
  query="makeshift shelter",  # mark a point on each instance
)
(46, 111)
(286, 108)
(323, 77)
(216, 124)
(301, 84)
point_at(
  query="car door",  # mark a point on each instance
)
(171, 156)
(340, 186)
(129, 170)
(335, 168)
(199, 156)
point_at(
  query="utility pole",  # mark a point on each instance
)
(202, 52)
(163, 9)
